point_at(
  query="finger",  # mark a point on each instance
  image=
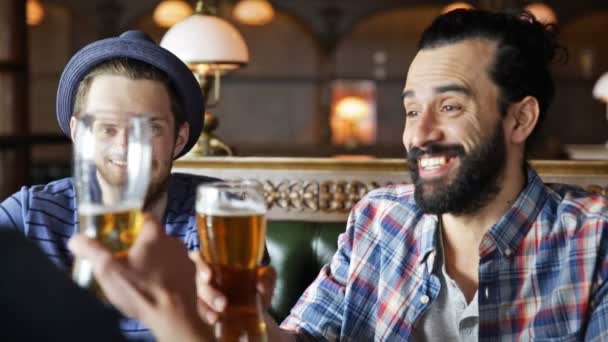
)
(210, 296)
(206, 312)
(84, 247)
(202, 268)
(266, 280)
(119, 286)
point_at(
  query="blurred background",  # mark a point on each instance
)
(324, 77)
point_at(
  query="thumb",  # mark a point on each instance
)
(266, 280)
(85, 247)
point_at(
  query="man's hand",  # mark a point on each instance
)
(155, 283)
(211, 302)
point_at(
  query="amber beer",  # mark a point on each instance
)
(115, 227)
(233, 244)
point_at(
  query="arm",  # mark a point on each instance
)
(154, 284)
(12, 211)
(39, 302)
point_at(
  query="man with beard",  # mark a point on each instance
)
(124, 75)
(478, 248)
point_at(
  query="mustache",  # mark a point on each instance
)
(416, 152)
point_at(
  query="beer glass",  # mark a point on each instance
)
(232, 230)
(111, 162)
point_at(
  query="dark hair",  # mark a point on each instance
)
(525, 49)
(135, 70)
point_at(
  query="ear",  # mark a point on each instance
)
(182, 138)
(73, 128)
(521, 120)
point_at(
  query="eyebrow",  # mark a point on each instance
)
(441, 89)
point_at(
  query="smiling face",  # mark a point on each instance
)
(122, 96)
(453, 131)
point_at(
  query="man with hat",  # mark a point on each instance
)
(126, 74)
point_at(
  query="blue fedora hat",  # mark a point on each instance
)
(138, 46)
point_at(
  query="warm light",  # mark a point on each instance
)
(542, 13)
(34, 12)
(170, 12)
(206, 43)
(455, 6)
(352, 119)
(253, 12)
(352, 108)
(600, 89)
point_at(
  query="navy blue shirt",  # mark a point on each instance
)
(47, 216)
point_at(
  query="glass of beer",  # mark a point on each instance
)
(232, 230)
(111, 167)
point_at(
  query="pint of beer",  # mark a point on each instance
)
(112, 159)
(232, 230)
(115, 227)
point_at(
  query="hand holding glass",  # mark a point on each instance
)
(112, 161)
(232, 230)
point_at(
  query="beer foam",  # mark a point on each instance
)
(217, 210)
(98, 209)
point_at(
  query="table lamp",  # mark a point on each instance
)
(210, 46)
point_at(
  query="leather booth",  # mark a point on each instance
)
(309, 200)
(297, 251)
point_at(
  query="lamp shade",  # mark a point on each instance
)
(600, 89)
(206, 42)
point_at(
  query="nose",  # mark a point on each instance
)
(422, 131)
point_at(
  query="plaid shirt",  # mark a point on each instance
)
(542, 274)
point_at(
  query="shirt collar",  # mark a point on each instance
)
(508, 232)
(427, 240)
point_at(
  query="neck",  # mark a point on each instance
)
(462, 234)
(468, 230)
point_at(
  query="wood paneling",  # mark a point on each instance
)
(13, 94)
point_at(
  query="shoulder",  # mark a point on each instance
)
(569, 199)
(60, 188)
(401, 195)
(60, 193)
(391, 207)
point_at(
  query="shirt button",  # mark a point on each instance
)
(508, 252)
(424, 299)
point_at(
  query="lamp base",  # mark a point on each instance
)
(209, 144)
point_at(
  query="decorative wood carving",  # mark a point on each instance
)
(332, 196)
(598, 189)
(329, 196)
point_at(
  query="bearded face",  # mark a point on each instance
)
(470, 186)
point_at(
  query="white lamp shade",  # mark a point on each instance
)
(600, 89)
(208, 41)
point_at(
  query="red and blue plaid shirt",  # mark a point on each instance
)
(543, 271)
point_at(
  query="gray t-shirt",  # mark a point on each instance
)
(450, 317)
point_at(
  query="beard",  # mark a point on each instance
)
(475, 183)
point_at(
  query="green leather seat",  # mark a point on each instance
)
(297, 251)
